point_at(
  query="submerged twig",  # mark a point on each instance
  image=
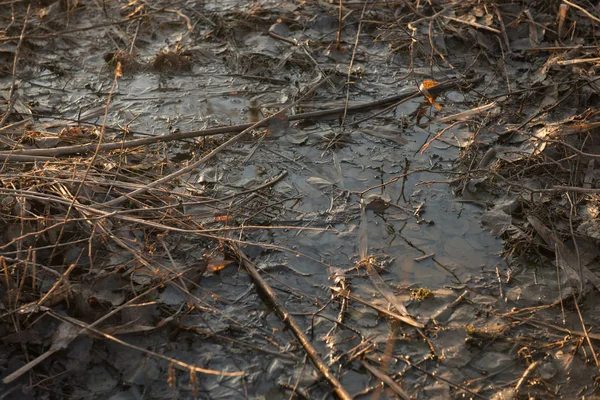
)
(291, 322)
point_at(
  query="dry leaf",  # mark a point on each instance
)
(119, 70)
(216, 264)
(427, 84)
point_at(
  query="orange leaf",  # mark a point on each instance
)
(222, 218)
(427, 84)
(119, 70)
(217, 263)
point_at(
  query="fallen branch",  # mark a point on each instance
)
(289, 320)
(587, 13)
(86, 148)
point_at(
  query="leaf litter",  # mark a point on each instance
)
(174, 173)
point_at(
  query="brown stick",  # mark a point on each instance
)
(587, 13)
(289, 320)
(61, 151)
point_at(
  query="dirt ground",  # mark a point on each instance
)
(299, 199)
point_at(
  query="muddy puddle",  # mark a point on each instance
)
(275, 200)
(326, 178)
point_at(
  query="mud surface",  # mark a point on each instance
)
(353, 219)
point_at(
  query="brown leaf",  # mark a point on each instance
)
(216, 264)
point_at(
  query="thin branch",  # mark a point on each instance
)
(289, 320)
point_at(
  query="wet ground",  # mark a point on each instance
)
(358, 197)
(210, 93)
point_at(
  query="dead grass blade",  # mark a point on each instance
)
(406, 319)
(462, 116)
(387, 380)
